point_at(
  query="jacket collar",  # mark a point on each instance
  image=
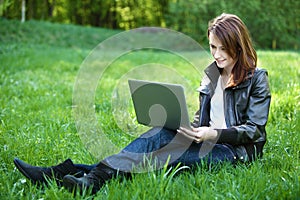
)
(213, 72)
(209, 82)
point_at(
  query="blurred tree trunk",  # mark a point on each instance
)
(23, 11)
(50, 8)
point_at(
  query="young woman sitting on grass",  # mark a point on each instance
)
(229, 125)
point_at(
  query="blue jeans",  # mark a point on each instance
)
(158, 146)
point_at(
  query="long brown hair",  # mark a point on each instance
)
(234, 35)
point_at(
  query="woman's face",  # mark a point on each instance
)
(219, 52)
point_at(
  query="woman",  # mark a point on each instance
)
(230, 123)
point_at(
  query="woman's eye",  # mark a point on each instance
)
(212, 46)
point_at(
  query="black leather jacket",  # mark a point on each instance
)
(246, 108)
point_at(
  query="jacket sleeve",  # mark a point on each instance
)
(256, 116)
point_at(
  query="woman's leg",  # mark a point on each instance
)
(157, 146)
(156, 143)
(39, 175)
(152, 148)
(209, 152)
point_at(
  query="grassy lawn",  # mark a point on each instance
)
(39, 63)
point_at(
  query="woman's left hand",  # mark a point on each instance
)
(199, 134)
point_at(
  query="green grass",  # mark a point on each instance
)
(39, 62)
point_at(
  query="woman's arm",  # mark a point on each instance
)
(256, 114)
(256, 118)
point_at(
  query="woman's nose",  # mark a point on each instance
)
(217, 54)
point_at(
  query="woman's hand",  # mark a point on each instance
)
(199, 134)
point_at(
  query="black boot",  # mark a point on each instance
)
(40, 175)
(93, 180)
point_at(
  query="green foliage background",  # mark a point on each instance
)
(273, 24)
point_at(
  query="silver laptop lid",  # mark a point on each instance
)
(159, 104)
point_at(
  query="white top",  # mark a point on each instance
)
(217, 115)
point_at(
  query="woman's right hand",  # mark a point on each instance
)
(199, 134)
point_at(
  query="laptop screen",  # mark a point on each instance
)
(159, 104)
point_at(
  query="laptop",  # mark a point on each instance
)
(158, 104)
